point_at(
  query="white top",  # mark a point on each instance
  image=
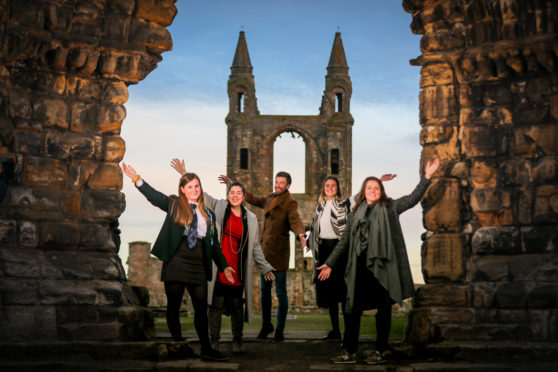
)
(326, 230)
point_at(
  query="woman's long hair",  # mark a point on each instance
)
(184, 213)
(384, 200)
(323, 195)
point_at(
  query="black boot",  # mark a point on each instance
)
(267, 328)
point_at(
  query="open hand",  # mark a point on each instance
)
(388, 177)
(129, 171)
(225, 179)
(229, 274)
(178, 165)
(269, 276)
(431, 167)
(325, 272)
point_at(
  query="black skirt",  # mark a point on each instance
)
(369, 293)
(186, 265)
(333, 290)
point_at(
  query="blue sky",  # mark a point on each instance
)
(179, 109)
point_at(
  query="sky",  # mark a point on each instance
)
(179, 110)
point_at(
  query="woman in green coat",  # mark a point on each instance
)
(187, 244)
(378, 273)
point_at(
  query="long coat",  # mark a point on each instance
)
(280, 216)
(398, 206)
(171, 234)
(254, 253)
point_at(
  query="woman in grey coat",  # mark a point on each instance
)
(238, 234)
(378, 273)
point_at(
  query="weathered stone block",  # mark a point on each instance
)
(150, 35)
(88, 88)
(436, 74)
(524, 268)
(438, 105)
(443, 38)
(96, 237)
(510, 295)
(436, 134)
(75, 313)
(484, 174)
(534, 141)
(80, 171)
(111, 118)
(460, 170)
(65, 292)
(70, 145)
(548, 270)
(503, 316)
(452, 315)
(160, 11)
(52, 112)
(6, 130)
(441, 205)
(102, 206)
(114, 148)
(546, 204)
(93, 331)
(21, 263)
(28, 236)
(106, 177)
(137, 323)
(59, 235)
(71, 265)
(116, 28)
(515, 172)
(28, 323)
(419, 327)
(522, 206)
(121, 6)
(539, 239)
(19, 104)
(28, 142)
(496, 240)
(8, 233)
(18, 292)
(442, 295)
(27, 125)
(483, 141)
(443, 258)
(491, 332)
(35, 203)
(487, 200)
(543, 296)
(502, 217)
(491, 268)
(483, 294)
(85, 117)
(45, 172)
(116, 92)
(545, 170)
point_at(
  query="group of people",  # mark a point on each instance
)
(209, 246)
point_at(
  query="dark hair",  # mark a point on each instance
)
(360, 197)
(322, 194)
(236, 183)
(285, 175)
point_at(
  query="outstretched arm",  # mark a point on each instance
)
(155, 197)
(409, 201)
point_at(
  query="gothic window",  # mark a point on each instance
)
(339, 99)
(243, 158)
(240, 104)
(335, 161)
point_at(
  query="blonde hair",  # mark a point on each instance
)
(184, 213)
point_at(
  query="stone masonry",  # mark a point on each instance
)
(65, 66)
(327, 136)
(489, 111)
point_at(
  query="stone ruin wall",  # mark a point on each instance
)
(64, 70)
(489, 110)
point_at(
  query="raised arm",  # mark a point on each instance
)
(155, 197)
(406, 202)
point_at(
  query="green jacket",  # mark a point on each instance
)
(172, 234)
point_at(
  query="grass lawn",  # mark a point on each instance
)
(302, 322)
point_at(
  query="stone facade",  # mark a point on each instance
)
(144, 270)
(489, 111)
(64, 71)
(327, 136)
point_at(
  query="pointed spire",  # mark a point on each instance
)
(337, 61)
(241, 61)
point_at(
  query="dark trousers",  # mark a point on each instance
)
(369, 294)
(281, 292)
(226, 299)
(198, 294)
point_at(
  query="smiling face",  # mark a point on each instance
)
(192, 190)
(235, 196)
(330, 189)
(372, 191)
(280, 185)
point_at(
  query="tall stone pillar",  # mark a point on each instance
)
(64, 71)
(489, 111)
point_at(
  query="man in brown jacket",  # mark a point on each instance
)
(280, 216)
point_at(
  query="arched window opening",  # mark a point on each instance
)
(240, 103)
(334, 161)
(243, 158)
(339, 99)
(289, 155)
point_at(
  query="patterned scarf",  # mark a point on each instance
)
(338, 219)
